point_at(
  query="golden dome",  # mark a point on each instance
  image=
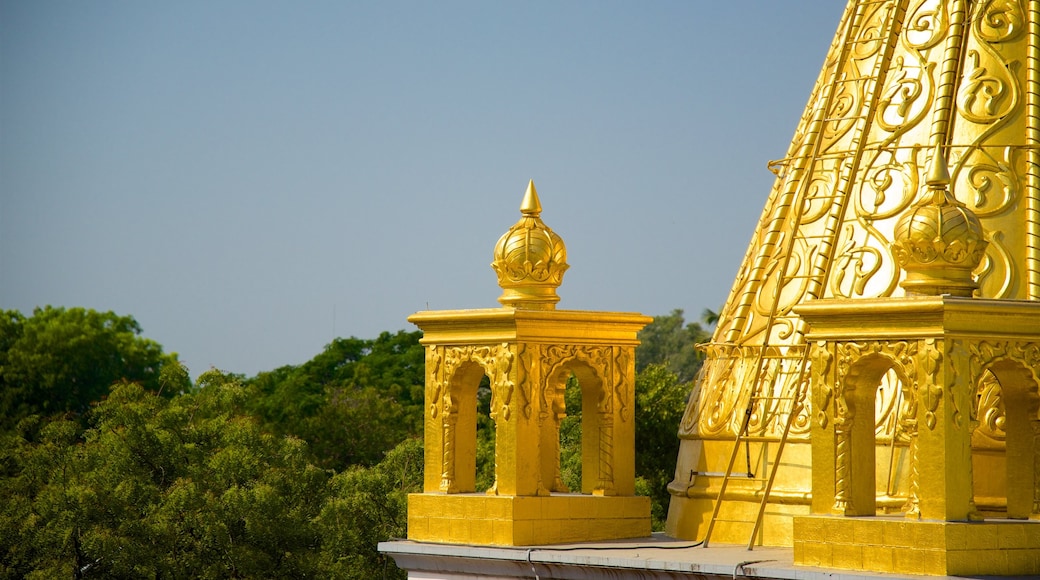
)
(939, 242)
(530, 259)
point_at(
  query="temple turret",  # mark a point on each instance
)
(528, 351)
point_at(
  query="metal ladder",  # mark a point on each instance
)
(788, 406)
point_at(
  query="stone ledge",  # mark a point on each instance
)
(656, 558)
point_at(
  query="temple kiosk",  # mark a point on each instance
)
(528, 350)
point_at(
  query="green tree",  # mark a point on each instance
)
(352, 402)
(660, 404)
(182, 487)
(669, 341)
(62, 360)
(367, 506)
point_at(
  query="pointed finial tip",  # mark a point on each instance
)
(939, 173)
(531, 205)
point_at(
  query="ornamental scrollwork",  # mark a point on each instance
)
(989, 91)
(999, 20)
(781, 396)
(927, 24)
(624, 382)
(434, 382)
(497, 362)
(598, 358)
(982, 354)
(905, 100)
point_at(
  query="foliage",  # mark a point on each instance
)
(369, 505)
(61, 360)
(187, 487)
(570, 436)
(191, 487)
(660, 404)
(296, 472)
(351, 403)
(485, 477)
(669, 341)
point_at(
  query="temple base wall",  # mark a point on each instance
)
(489, 520)
(688, 519)
(901, 546)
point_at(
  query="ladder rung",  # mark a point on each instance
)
(734, 521)
(857, 79)
(849, 118)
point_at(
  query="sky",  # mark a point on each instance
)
(250, 179)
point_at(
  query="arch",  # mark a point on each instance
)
(597, 475)
(459, 422)
(854, 431)
(1009, 394)
(894, 433)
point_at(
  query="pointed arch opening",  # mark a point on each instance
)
(576, 397)
(1005, 450)
(459, 421)
(870, 460)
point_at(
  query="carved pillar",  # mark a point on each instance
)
(451, 419)
(1035, 424)
(605, 476)
(913, 502)
(843, 423)
(823, 439)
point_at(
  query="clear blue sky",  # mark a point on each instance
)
(249, 179)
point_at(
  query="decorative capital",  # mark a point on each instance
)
(530, 259)
(939, 242)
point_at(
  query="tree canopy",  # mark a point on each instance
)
(113, 464)
(190, 487)
(61, 360)
(669, 341)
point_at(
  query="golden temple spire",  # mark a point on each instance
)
(530, 259)
(912, 179)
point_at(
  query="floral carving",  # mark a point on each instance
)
(989, 408)
(554, 357)
(932, 389)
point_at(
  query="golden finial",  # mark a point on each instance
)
(530, 259)
(531, 206)
(938, 178)
(938, 173)
(939, 242)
